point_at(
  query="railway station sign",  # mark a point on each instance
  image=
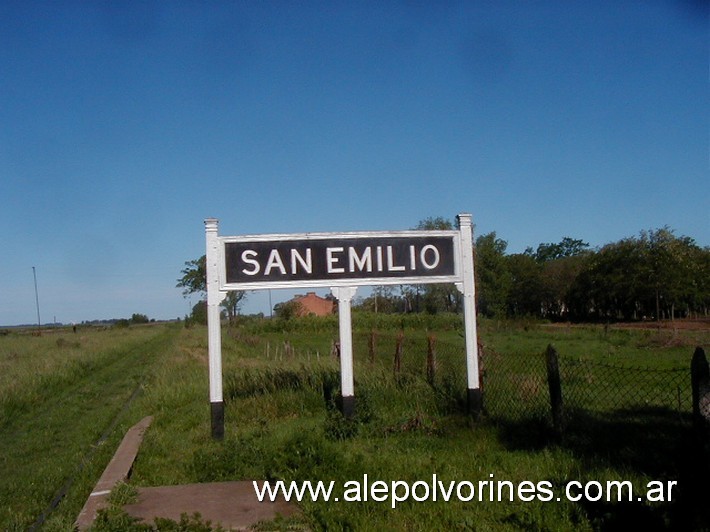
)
(342, 262)
(351, 259)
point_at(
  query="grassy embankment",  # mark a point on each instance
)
(280, 424)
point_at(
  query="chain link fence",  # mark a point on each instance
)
(515, 386)
(601, 387)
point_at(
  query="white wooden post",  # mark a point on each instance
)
(214, 298)
(344, 295)
(468, 289)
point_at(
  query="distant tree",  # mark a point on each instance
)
(526, 286)
(699, 299)
(434, 298)
(560, 263)
(288, 309)
(194, 277)
(139, 318)
(654, 275)
(612, 285)
(557, 278)
(199, 313)
(194, 280)
(493, 279)
(434, 223)
(671, 265)
(233, 302)
(383, 299)
(567, 247)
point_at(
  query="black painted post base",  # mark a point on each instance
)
(217, 411)
(474, 401)
(347, 406)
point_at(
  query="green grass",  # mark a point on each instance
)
(282, 423)
(60, 393)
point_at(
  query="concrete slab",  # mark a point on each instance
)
(232, 505)
(116, 471)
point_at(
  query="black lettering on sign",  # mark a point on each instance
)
(346, 258)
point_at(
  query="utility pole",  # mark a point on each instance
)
(39, 323)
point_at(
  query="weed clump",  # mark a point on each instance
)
(337, 426)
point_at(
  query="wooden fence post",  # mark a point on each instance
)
(555, 385)
(700, 383)
(371, 345)
(431, 359)
(398, 353)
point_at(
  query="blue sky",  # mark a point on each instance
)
(123, 125)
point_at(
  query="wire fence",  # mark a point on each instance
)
(516, 386)
(418, 356)
(600, 387)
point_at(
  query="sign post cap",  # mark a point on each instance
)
(464, 218)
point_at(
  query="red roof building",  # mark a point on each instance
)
(311, 304)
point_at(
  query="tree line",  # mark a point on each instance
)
(655, 275)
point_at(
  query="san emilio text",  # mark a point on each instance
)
(339, 260)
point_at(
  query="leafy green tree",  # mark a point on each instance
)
(699, 299)
(567, 247)
(199, 313)
(194, 277)
(435, 298)
(670, 265)
(139, 318)
(288, 309)
(493, 278)
(384, 299)
(526, 285)
(654, 275)
(194, 280)
(558, 277)
(614, 285)
(434, 224)
(232, 303)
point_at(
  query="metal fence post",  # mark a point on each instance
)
(555, 385)
(700, 383)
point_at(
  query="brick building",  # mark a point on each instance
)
(313, 304)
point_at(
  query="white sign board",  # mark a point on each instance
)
(341, 262)
(338, 259)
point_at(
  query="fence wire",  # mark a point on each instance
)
(601, 387)
(515, 387)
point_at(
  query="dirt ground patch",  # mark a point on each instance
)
(686, 324)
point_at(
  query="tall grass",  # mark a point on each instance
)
(281, 388)
(61, 393)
